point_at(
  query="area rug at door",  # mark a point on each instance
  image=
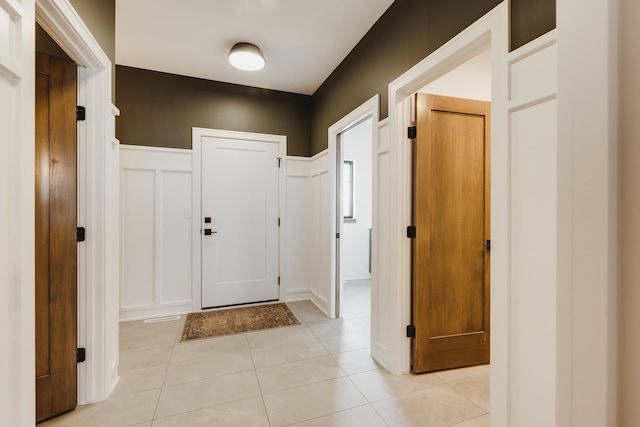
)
(210, 324)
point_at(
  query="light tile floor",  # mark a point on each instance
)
(316, 374)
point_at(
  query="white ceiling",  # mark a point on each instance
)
(303, 41)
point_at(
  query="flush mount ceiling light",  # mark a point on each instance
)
(246, 56)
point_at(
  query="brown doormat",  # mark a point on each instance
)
(236, 321)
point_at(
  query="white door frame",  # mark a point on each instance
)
(370, 108)
(197, 135)
(98, 265)
(489, 31)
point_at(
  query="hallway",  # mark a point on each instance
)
(316, 374)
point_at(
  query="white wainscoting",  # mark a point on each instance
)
(320, 219)
(298, 262)
(155, 223)
(533, 142)
(382, 290)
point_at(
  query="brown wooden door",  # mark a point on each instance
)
(55, 230)
(450, 301)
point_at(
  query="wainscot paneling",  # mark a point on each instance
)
(298, 261)
(533, 146)
(156, 240)
(381, 287)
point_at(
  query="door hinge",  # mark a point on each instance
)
(411, 331)
(278, 280)
(80, 234)
(81, 355)
(278, 222)
(411, 232)
(81, 113)
(279, 162)
(412, 132)
(488, 245)
(337, 235)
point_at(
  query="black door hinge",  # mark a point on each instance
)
(411, 331)
(488, 245)
(81, 113)
(80, 234)
(412, 132)
(278, 280)
(279, 162)
(278, 222)
(81, 355)
(411, 231)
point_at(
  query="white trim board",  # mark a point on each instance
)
(197, 135)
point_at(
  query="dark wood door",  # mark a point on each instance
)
(55, 230)
(450, 301)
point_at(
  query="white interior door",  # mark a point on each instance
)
(239, 221)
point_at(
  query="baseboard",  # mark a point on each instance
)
(139, 313)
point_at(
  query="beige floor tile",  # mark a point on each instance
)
(379, 384)
(312, 401)
(139, 380)
(362, 416)
(209, 347)
(452, 375)
(147, 336)
(313, 316)
(181, 398)
(287, 352)
(243, 413)
(272, 337)
(197, 369)
(476, 388)
(114, 412)
(305, 305)
(356, 361)
(434, 407)
(144, 358)
(295, 374)
(338, 327)
(347, 342)
(147, 424)
(482, 421)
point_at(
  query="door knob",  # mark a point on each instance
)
(209, 232)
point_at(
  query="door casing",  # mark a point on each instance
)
(197, 135)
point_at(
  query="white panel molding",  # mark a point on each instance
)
(381, 286)
(533, 208)
(299, 262)
(161, 163)
(17, 297)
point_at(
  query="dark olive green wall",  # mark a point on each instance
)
(45, 44)
(530, 19)
(159, 109)
(408, 32)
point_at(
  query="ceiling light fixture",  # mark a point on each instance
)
(246, 56)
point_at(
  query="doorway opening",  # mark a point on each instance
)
(353, 219)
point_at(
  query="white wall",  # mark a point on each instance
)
(156, 224)
(354, 251)
(471, 80)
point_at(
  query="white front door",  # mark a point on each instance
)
(239, 221)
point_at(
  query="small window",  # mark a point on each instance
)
(348, 202)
